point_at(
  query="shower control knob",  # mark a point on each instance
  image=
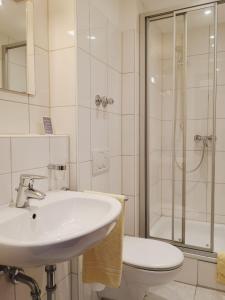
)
(104, 101)
(110, 100)
(98, 100)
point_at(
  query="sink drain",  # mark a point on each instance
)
(34, 216)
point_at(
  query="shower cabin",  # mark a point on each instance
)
(183, 127)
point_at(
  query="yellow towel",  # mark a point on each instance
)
(221, 267)
(103, 263)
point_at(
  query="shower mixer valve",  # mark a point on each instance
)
(203, 138)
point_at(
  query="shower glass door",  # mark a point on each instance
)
(194, 65)
(181, 86)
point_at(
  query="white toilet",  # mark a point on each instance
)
(147, 263)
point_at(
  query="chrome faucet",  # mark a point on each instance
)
(26, 190)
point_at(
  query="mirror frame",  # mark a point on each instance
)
(30, 53)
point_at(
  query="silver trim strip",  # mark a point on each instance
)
(214, 130)
(143, 99)
(174, 125)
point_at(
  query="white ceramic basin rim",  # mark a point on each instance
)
(61, 226)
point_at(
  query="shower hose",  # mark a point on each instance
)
(205, 145)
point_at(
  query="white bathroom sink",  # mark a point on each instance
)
(55, 229)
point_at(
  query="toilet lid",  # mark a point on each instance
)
(151, 254)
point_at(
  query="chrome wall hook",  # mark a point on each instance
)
(104, 101)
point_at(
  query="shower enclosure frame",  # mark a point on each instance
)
(144, 221)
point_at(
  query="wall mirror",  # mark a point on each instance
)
(17, 46)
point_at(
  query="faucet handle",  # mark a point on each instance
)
(28, 179)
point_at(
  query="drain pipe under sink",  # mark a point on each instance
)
(16, 275)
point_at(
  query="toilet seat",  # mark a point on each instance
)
(152, 255)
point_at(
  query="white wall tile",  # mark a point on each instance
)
(115, 175)
(197, 71)
(167, 106)
(59, 150)
(220, 167)
(202, 174)
(99, 130)
(41, 96)
(167, 74)
(36, 118)
(98, 80)
(115, 132)
(198, 39)
(62, 77)
(128, 51)
(220, 110)
(221, 31)
(128, 176)
(154, 132)
(166, 195)
(167, 46)
(128, 94)
(64, 289)
(26, 153)
(155, 103)
(64, 122)
(83, 24)
(219, 199)
(84, 135)
(85, 174)
(167, 134)
(221, 68)
(41, 28)
(61, 24)
(74, 265)
(196, 190)
(197, 103)
(98, 34)
(128, 135)
(101, 182)
(114, 47)
(84, 79)
(155, 167)
(220, 138)
(62, 270)
(167, 164)
(75, 287)
(5, 189)
(114, 91)
(5, 155)
(11, 111)
(73, 177)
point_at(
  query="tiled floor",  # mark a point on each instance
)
(179, 291)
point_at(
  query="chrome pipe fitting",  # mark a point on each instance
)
(51, 286)
(16, 275)
(104, 101)
(57, 167)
